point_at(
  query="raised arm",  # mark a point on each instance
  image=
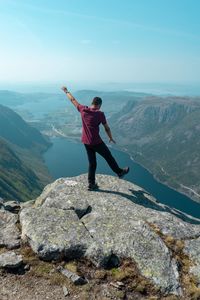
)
(69, 95)
(109, 134)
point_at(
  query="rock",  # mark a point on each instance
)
(29, 203)
(9, 233)
(65, 291)
(61, 194)
(118, 285)
(12, 206)
(168, 225)
(76, 279)
(138, 241)
(115, 222)
(192, 249)
(10, 260)
(54, 233)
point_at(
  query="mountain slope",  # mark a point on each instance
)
(17, 181)
(14, 129)
(163, 135)
(22, 170)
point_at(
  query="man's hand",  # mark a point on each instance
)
(65, 90)
(111, 140)
(69, 95)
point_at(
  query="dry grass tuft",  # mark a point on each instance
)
(188, 281)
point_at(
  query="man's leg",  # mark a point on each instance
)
(103, 150)
(92, 164)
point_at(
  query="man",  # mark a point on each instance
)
(92, 117)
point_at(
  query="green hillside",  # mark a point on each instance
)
(17, 181)
(163, 134)
(23, 173)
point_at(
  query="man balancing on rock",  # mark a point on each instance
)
(92, 117)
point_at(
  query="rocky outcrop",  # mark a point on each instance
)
(54, 233)
(118, 221)
(9, 233)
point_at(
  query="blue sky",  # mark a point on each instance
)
(100, 40)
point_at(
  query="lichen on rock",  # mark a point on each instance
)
(107, 226)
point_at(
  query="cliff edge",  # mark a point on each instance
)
(119, 222)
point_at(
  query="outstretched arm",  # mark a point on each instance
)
(69, 95)
(108, 131)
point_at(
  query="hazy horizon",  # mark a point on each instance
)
(157, 88)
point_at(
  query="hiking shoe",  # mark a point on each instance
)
(124, 172)
(93, 187)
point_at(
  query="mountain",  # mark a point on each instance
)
(17, 181)
(162, 133)
(22, 170)
(112, 101)
(15, 130)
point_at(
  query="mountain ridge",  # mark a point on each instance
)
(163, 135)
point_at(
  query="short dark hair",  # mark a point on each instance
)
(96, 101)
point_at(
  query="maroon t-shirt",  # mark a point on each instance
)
(91, 119)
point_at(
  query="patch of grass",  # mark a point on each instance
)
(172, 297)
(100, 274)
(188, 281)
(121, 274)
(3, 250)
(71, 266)
(129, 274)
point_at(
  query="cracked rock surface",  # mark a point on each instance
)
(9, 233)
(108, 225)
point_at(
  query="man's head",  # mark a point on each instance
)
(96, 102)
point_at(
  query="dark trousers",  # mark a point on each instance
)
(103, 150)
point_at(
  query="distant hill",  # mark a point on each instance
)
(22, 170)
(15, 130)
(112, 101)
(17, 181)
(163, 134)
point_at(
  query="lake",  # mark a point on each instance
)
(67, 158)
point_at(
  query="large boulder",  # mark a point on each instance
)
(54, 233)
(9, 232)
(106, 226)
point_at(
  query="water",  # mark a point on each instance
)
(67, 158)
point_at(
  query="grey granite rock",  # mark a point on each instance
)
(62, 194)
(10, 260)
(9, 233)
(29, 203)
(12, 206)
(192, 249)
(54, 233)
(76, 279)
(116, 222)
(135, 240)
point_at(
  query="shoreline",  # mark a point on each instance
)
(124, 150)
(168, 185)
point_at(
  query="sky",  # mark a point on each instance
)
(100, 40)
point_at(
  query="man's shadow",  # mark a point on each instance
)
(139, 197)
